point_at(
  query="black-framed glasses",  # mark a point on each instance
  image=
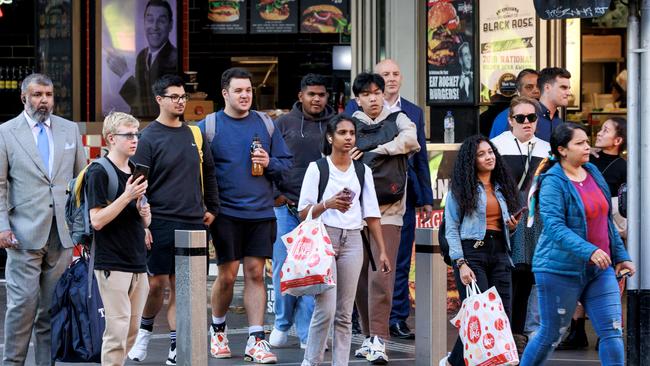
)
(521, 118)
(177, 98)
(129, 136)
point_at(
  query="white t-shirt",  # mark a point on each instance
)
(353, 218)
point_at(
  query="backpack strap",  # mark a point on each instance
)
(211, 126)
(198, 141)
(112, 177)
(360, 169)
(268, 122)
(324, 170)
(393, 116)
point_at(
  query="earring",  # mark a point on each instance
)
(329, 140)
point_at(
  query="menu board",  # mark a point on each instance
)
(325, 16)
(507, 33)
(226, 17)
(55, 50)
(450, 52)
(274, 16)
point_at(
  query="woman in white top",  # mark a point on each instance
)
(342, 213)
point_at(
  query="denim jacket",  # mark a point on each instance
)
(474, 224)
(563, 248)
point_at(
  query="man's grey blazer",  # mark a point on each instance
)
(29, 198)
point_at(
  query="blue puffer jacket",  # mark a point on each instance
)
(562, 247)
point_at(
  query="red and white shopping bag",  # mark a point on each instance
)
(484, 328)
(308, 267)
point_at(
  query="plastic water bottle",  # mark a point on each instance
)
(449, 128)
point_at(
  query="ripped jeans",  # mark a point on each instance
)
(598, 291)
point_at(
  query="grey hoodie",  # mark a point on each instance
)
(303, 136)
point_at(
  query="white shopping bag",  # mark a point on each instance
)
(484, 329)
(308, 267)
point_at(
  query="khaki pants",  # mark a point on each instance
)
(124, 295)
(375, 288)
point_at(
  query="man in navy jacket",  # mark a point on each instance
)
(419, 193)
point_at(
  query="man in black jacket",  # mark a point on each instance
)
(302, 130)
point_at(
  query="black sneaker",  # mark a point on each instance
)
(401, 330)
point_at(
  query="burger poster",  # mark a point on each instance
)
(228, 17)
(324, 16)
(507, 34)
(450, 52)
(274, 16)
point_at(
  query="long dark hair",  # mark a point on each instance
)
(330, 130)
(464, 182)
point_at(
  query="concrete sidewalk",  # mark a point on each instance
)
(400, 352)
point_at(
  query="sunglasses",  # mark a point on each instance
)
(521, 118)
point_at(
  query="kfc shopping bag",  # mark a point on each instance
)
(484, 328)
(308, 267)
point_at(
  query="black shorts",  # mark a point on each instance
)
(161, 257)
(235, 238)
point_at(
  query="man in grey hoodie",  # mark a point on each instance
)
(302, 130)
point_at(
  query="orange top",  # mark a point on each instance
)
(493, 210)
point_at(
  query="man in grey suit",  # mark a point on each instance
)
(39, 154)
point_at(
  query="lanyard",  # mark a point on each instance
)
(531, 147)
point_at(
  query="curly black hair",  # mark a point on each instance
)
(465, 181)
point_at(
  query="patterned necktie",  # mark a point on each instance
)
(43, 145)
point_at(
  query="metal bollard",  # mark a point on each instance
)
(431, 307)
(191, 298)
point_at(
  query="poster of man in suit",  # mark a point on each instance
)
(137, 50)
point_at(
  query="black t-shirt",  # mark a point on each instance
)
(613, 168)
(120, 244)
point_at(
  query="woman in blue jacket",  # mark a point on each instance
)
(577, 250)
(478, 223)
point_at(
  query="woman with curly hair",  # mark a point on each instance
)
(580, 253)
(478, 224)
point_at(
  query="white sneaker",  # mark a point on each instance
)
(443, 361)
(363, 351)
(171, 356)
(278, 338)
(219, 344)
(259, 351)
(377, 352)
(139, 350)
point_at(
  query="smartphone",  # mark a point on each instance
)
(624, 273)
(519, 212)
(141, 169)
(349, 193)
(143, 201)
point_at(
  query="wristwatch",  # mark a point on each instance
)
(460, 262)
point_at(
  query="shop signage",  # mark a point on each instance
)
(274, 16)
(325, 16)
(507, 33)
(450, 52)
(226, 17)
(563, 9)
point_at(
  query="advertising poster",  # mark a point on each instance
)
(325, 16)
(507, 33)
(274, 16)
(138, 46)
(226, 17)
(450, 53)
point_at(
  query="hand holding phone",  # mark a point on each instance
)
(349, 194)
(623, 273)
(519, 212)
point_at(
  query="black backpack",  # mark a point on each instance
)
(388, 171)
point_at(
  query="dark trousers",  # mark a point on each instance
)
(522, 283)
(491, 267)
(401, 303)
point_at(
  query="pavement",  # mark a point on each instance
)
(401, 352)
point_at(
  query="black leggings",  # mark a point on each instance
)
(492, 267)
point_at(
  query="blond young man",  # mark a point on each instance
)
(119, 223)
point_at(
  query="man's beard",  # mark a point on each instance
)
(37, 114)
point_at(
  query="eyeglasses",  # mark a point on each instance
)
(177, 98)
(129, 136)
(521, 118)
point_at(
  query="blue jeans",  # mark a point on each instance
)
(558, 295)
(401, 304)
(288, 309)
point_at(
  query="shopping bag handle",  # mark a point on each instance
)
(472, 289)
